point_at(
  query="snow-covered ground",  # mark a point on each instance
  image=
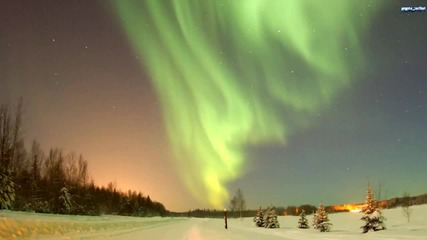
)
(19, 225)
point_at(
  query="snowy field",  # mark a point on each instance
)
(20, 225)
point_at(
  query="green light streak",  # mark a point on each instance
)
(235, 73)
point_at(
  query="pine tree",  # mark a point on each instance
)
(65, 198)
(315, 220)
(370, 202)
(7, 190)
(303, 222)
(321, 220)
(271, 219)
(259, 218)
(372, 214)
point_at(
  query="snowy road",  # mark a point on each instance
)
(199, 229)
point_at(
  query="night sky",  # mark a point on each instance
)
(292, 101)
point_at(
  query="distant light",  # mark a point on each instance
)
(355, 210)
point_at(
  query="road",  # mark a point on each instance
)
(196, 229)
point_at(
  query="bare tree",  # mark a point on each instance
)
(406, 206)
(55, 177)
(36, 157)
(76, 170)
(379, 192)
(82, 171)
(70, 169)
(238, 202)
(16, 133)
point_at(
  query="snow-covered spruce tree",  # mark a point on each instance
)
(7, 189)
(370, 203)
(65, 198)
(372, 214)
(406, 206)
(259, 218)
(321, 220)
(315, 220)
(303, 222)
(270, 219)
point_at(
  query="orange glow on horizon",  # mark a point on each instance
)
(355, 207)
(348, 207)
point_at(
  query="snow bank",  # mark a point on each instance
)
(19, 225)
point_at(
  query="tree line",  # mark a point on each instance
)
(237, 207)
(57, 182)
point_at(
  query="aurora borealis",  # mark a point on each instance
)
(225, 70)
(189, 100)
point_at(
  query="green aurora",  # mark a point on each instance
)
(234, 74)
